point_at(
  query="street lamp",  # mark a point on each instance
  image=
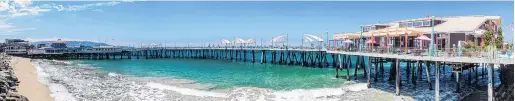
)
(432, 45)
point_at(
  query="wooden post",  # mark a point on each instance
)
(369, 66)
(457, 74)
(253, 56)
(414, 74)
(339, 63)
(437, 81)
(262, 56)
(356, 68)
(397, 78)
(376, 67)
(363, 65)
(408, 67)
(349, 63)
(490, 82)
(427, 75)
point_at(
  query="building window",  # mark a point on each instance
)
(427, 23)
(415, 24)
(410, 24)
(419, 23)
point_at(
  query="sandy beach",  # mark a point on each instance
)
(29, 86)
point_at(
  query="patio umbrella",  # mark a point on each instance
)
(348, 41)
(371, 41)
(423, 37)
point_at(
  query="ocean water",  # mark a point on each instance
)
(219, 80)
(187, 80)
(224, 74)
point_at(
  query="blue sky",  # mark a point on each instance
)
(125, 23)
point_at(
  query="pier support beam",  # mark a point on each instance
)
(349, 63)
(437, 81)
(457, 74)
(340, 64)
(397, 78)
(490, 69)
(369, 66)
(428, 76)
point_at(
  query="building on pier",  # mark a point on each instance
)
(448, 32)
(102, 49)
(60, 47)
(16, 46)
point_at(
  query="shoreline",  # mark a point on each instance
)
(29, 85)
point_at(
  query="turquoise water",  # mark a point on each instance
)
(225, 74)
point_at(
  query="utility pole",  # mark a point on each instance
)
(327, 39)
(302, 43)
(286, 41)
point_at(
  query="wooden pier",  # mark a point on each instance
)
(371, 64)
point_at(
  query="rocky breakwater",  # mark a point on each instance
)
(8, 81)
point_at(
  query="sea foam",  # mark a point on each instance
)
(185, 91)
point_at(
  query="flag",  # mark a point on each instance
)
(511, 26)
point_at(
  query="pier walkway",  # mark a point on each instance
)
(460, 59)
(371, 63)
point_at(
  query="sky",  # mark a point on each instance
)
(195, 23)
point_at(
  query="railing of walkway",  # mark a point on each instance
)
(445, 52)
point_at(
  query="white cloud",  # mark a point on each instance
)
(97, 10)
(35, 10)
(4, 25)
(78, 7)
(4, 5)
(23, 3)
(17, 8)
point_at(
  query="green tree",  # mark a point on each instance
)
(488, 36)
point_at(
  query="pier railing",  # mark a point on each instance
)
(442, 52)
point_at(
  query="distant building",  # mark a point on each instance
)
(2, 45)
(16, 46)
(60, 47)
(42, 45)
(59, 44)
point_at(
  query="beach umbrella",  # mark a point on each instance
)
(278, 39)
(224, 41)
(316, 38)
(348, 41)
(239, 41)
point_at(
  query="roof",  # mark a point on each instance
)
(59, 41)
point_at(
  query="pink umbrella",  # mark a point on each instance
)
(371, 41)
(423, 37)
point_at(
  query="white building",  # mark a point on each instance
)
(16, 46)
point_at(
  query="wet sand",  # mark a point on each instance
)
(29, 86)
